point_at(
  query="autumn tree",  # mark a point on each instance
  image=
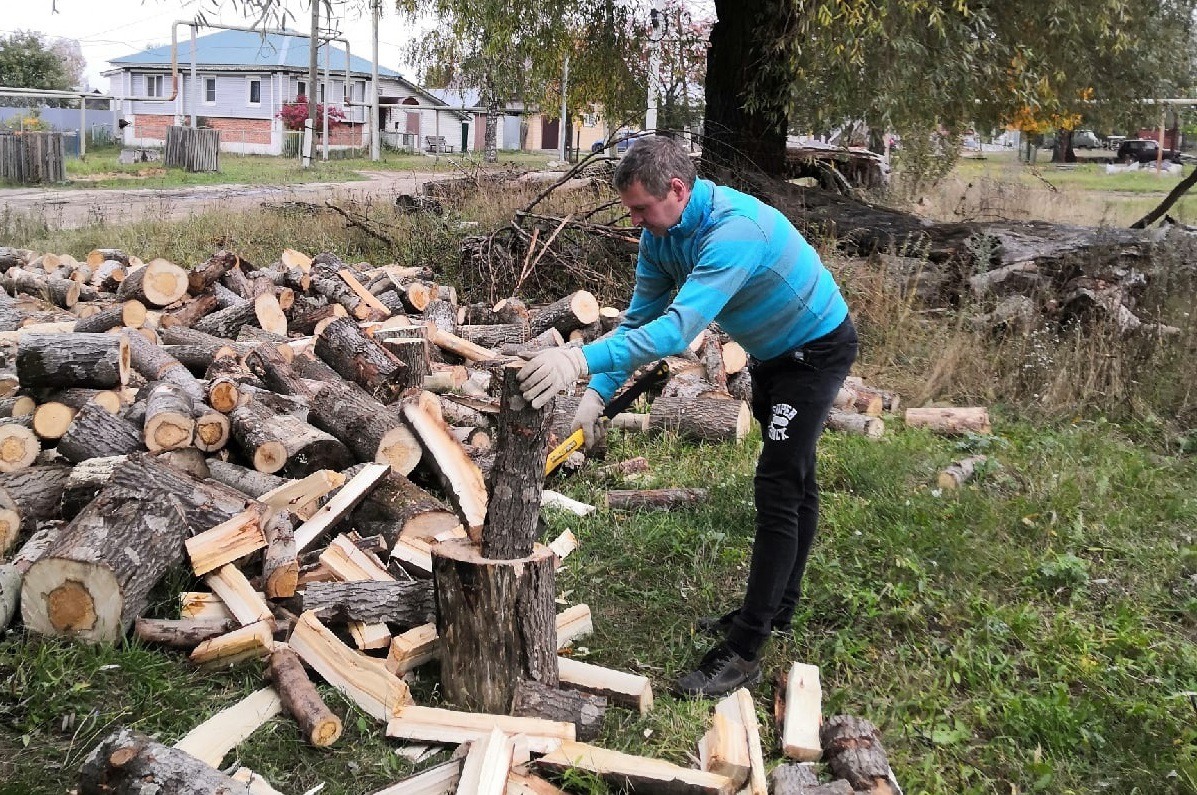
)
(27, 60)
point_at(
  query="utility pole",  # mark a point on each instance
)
(564, 109)
(308, 142)
(375, 132)
(654, 66)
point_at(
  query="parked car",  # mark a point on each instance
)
(1085, 139)
(1142, 150)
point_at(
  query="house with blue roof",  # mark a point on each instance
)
(243, 79)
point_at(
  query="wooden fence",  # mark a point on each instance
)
(27, 158)
(193, 149)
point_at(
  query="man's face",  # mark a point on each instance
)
(656, 215)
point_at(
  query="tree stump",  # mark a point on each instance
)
(496, 622)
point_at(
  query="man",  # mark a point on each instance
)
(709, 253)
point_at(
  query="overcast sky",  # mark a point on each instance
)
(114, 28)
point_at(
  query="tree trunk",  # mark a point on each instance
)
(496, 622)
(734, 137)
(517, 476)
(127, 762)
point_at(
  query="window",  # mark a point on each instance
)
(153, 86)
(590, 119)
(255, 91)
(321, 100)
(302, 90)
(209, 90)
(360, 91)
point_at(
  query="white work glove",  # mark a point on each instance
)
(549, 372)
(589, 417)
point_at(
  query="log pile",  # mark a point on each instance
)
(340, 456)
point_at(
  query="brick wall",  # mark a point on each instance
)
(247, 131)
(152, 126)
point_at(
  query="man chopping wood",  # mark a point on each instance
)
(709, 253)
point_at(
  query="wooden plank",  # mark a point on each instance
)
(226, 542)
(212, 740)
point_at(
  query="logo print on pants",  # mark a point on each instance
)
(780, 422)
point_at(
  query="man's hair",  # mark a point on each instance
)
(653, 161)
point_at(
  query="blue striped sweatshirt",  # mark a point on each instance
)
(733, 259)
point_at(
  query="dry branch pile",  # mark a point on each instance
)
(328, 447)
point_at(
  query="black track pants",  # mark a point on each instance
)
(791, 397)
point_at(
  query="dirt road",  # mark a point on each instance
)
(71, 209)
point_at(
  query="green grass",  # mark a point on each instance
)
(1075, 176)
(100, 169)
(1031, 633)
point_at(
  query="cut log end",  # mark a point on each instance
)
(270, 457)
(19, 448)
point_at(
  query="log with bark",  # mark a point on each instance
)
(129, 314)
(34, 495)
(202, 276)
(96, 433)
(183, 633)
(89, 360)
(127, 762)
(280, 441)
(950, 420)
(319, 725)
(12, 573)
(853, 751)
(566, 314)
(373, 431)
(702, 418)
(406, 603)
(583, 710)
(653, 499)
(398, 507)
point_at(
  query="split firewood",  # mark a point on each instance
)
(461, 347)
(856, 424)
(413, 648)
(340, 506)
(521, 782)
(431, 724)
(553, 499)
(653, 499)
(639, 773)
(183, 633)
(351, 564)
(800, 779)
(405, 603)
(950, 420)
(801, 705)
(487, 765)
(960, 472)
(851, 398)
(226, 542)
(89, 360)
(12, 573)
(583, 710)
(854, 752)
(458, 475)
(127, 762)
(234, 589)
(625, 689)
(724, 749)
(302, 497)
(318, 724)
(439, 780)
(251, 642)
(363, 680)
(890, 401)
(159, 283)
(212, 740)
(702, 418)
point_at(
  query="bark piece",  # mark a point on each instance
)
(517, 477)
(854, 752)
(319, 726)
(184, 633)
(583, 710)
(90, 360)
(406, 603)
(127, 762)
(496, 623)
(653, 499)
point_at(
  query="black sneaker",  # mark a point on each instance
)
(718, 626)
(721, 671)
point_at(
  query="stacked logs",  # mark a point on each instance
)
(332, 449)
